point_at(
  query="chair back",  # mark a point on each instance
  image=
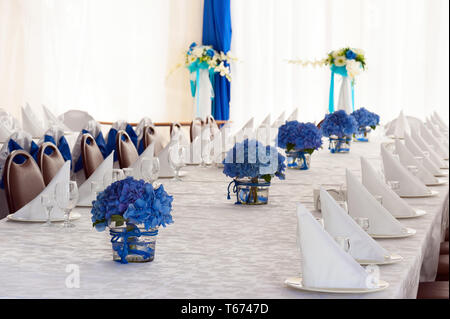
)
(174, 127)
(210, 121)
(150, 136)
(91, 154)
(196, 128)
(49, 164)
(75, 119)
(127, 153)
(22, 179)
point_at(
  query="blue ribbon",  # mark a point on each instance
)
(337, 148)
(300, 154)
(341, 70)
(238, 183)
(101, 145)
(123, 249)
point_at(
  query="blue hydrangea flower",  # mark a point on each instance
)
(210, 52)
(339, 123)
(350, 55)
(245, 160)
(366, 118)
(304, 136)
(193, 45)
(117, 199)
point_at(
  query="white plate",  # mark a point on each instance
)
(418, 213)
(406, 233)
(439, 183)
(297, 284)
(392, 259)
(182, 174)
(73, 216)
(433, 193)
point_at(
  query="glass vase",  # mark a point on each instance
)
(298, 160)
(340, 144)
(251, 191)
(362, 135)
(133, 244)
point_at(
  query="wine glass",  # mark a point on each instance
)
(47, 201)
(363, 222)
(177, 155)
(343, 242)
(66, 196)
(149, 169)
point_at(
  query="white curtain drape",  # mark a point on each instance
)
(405, 41)
(111, 57)
(107, 57)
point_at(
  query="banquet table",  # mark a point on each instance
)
(214, 249)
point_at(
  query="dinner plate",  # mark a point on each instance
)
(73, 216)
(433, 193)
(439, 183)
(182, 174)
(406, 233)
(297, 284)
(418, 213)
(392, 259)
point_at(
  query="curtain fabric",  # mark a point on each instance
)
(217, 32)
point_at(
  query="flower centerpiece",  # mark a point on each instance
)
(133, 210)
(366, 121)
(299, 140)
(252, 166)
(339, 128)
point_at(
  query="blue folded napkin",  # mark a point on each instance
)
(111, 144)
(62, 146)
(101, 145)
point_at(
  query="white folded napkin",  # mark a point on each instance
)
(361, 203)
(51, 120)
(339, 224)
(165, 169)
(8, 125)
(324, 263)
(293, 116)
(279, 121)
(34, 209)
(377, 187)
(407, 158)
(85, 190)
(440, 121)
(440, 148)
(246, 132)
(401, 126)
(417, 151)
(410, 185)
(437, 160)
(31, 123)
(437, 133)
(147, 153)
(263, 133)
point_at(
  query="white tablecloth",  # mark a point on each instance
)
(214, 249)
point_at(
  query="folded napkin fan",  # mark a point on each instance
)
(34, 209)
(430, 149)
(361, 203)
(263, 131)
(401, 126)
(339, 224)
(407, 159)
(31, 122)
(246, 132)
(8, 125)
(439, 121)
(377, 187)
(56, 136)
(293, 116)
(437, 133)
(279, 121)
(166, 169)
(440, 148)
(410, 185)
(324, 263)
(417, 151)
(85, 190)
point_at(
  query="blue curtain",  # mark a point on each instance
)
(217, 32)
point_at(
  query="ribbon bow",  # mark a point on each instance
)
(341, 70)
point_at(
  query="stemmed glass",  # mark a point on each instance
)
(66, 196)
(394, 185)
(206, 153)
(343, 242)
(47, 201)
(149, 169)
(363, 222)
(177, 155)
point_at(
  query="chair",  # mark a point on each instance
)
(49, 164)
(195, 129)
(150, 136)
(22, 179)
(174, 126)
(444, 248)
(91, 155)
(75, 120)
(126, 151)
(433, 290)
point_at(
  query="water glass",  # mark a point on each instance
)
(177, 155)
(47, 201)
(363, 222)
(343, 242)
(149, 169)
(394, 185)
(413, 169)
(66, 196)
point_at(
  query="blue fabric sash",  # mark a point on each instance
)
(237, 183)
(341, 70)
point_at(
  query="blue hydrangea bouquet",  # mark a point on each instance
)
(366, 121)
(133, 210)
(252, 166)
(339, 128)
(299, 140)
